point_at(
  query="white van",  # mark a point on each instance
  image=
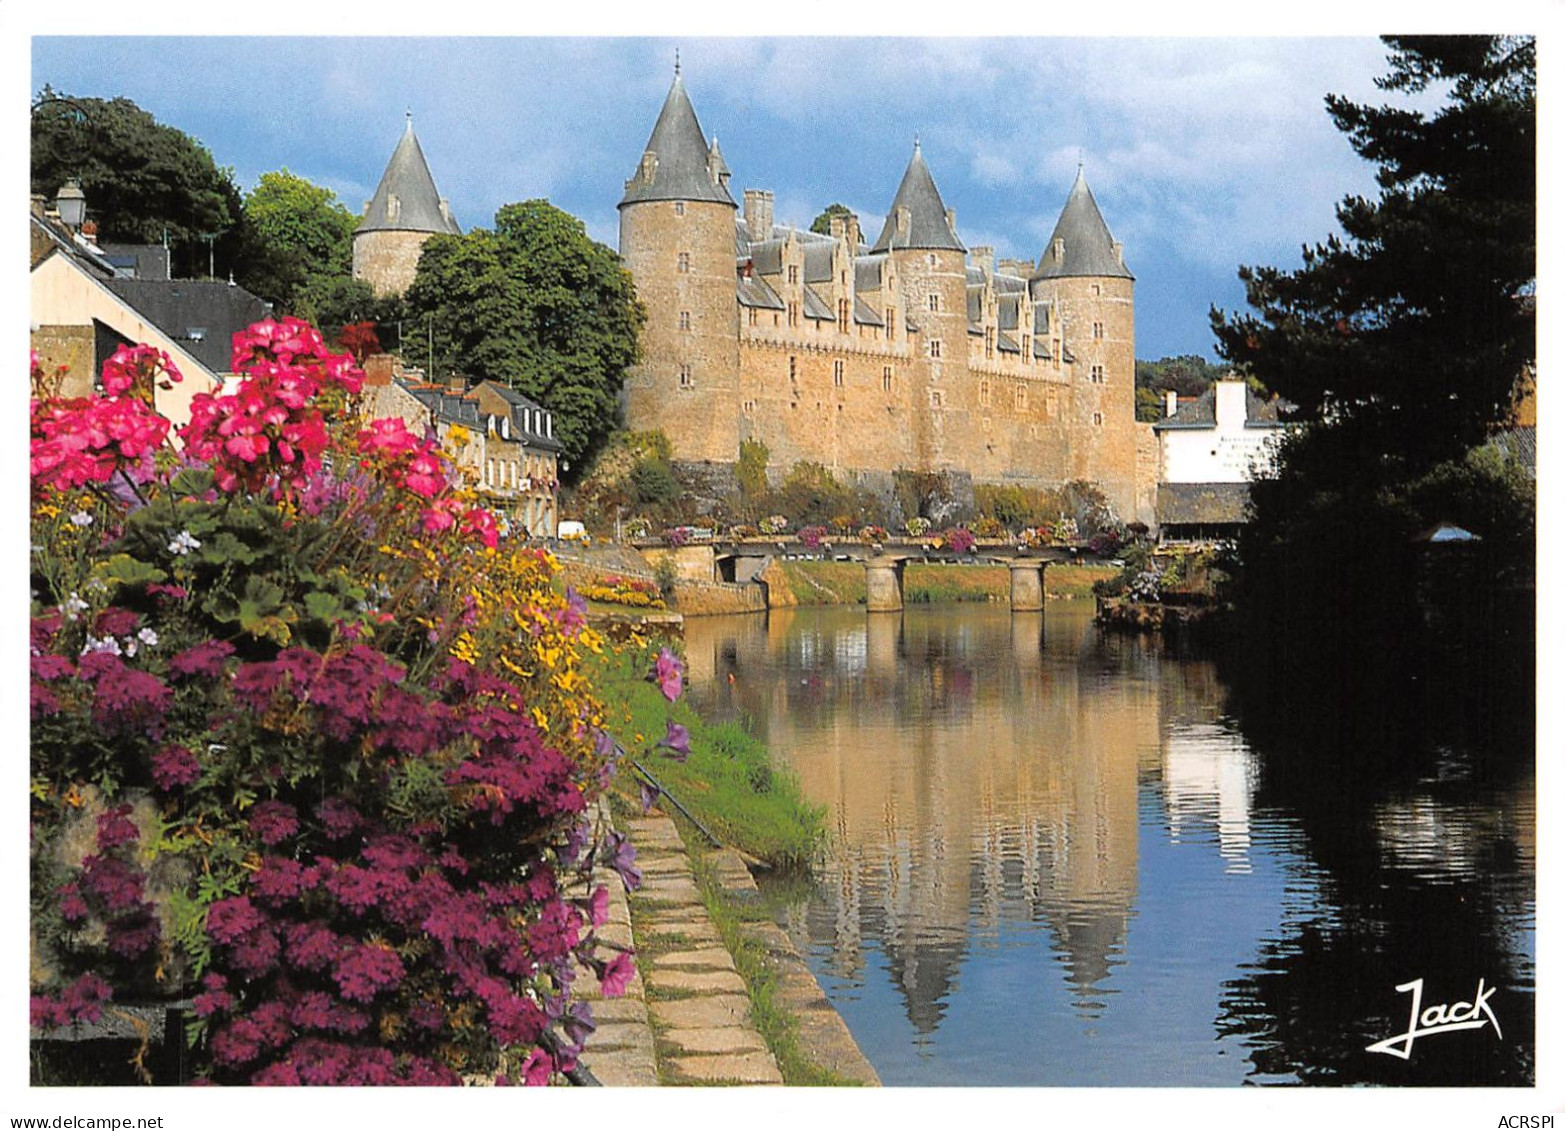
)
(574, 532)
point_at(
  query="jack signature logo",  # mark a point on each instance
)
(1437, 1019)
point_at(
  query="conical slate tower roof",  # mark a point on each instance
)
(406, 199)
(679, 169)
(927, 226)
(1088, 247)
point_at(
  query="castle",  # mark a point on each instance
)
(913, 353)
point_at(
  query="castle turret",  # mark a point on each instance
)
(1082, 273)
(406, 210)
(677, 240)
(920, 237)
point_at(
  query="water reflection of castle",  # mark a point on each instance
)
(1017, 805)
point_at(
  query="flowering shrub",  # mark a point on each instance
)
(631, 592)
(1063, 532)
(1146, 586)
(959, 540)
(677, 536)
(311, 743)
(1105, 542)
(743, 531)
(812, 536)
(986, 527)
(775, 524)
(918, 526)
(638, 528)
(873, 534)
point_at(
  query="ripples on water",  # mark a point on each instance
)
(1056, 861)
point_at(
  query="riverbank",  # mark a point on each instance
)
(811, 583)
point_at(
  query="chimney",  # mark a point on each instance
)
(377, 369)
(1119, 253)
(758, 213)
(38, 204)
(649, 165)
(1170, 402)
(838, 226)
(855, 237)
(983, 259)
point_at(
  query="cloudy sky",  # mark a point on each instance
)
(1204, 153)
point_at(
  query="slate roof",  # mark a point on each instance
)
(756, 291)
(1006, 343)
(816, 307)
(680, 170)
(1089, 247)
(866, 315)
(407, 178)
(201, 315)
(137, 260)
(927, 226)
(1201, 412)
(1206, 503)
(866, 272)
(524, 408)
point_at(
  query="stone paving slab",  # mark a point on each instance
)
(698, 981)
(674, 889)
(739, 1068)
(711, 1041)
(622, 1068)
(622, 1035)
(701, 1012)
(702, 958)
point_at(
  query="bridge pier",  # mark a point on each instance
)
(883, 581)
(1026, 585)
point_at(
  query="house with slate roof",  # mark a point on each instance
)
(911, 352)
(405, 211)
(87, 301)
(503, 441)
(1210, 447)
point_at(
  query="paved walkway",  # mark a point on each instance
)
(698, 1005)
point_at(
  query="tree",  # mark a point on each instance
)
(1189, 375)
(535, 304)
(299, 233)
(142, 179)
(822, 223)
(1413, 328)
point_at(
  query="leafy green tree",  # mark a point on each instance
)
(299, 234)
(822, 223)
(1413, 327)
(536, 304)
(142, 179)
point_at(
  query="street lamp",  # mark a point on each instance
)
(71, 203)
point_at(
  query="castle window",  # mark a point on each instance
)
(843, 309)
(934, 347)
(934, 303)
(684, 319)
(891, 321)
(1097, 374)
(836, 373)
(679, 208)
(935, 398)
(793, 275)
(793, 314)
(885, 378)
(989, 343)
(752, 313)
(1097, 289)
(684, 263)
(1021, 398)
(793, 367)
(1055, 353)
(1097, 418)
(749, 408)
(1097, 330)
(932, 262)
(685, 380)
(1026, 350)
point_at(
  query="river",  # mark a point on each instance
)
(1056, 859)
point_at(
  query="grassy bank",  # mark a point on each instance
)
(842, 583)
(729, 782)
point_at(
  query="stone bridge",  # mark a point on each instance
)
(739, 560)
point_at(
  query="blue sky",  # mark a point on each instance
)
(1203, 153)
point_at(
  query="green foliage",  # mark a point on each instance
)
(751, 471)
(141, 178)
(821, 225)
(1414, 327)
(652, 482)
(535, 304)
(300, 235)
(1016, 507)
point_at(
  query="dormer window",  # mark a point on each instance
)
(505, 427)
(793, 275)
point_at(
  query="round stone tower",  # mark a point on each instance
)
(406, 210)
(676, 237)
(1083, 273)
(920, 236)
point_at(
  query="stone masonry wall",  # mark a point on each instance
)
(387, 260)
